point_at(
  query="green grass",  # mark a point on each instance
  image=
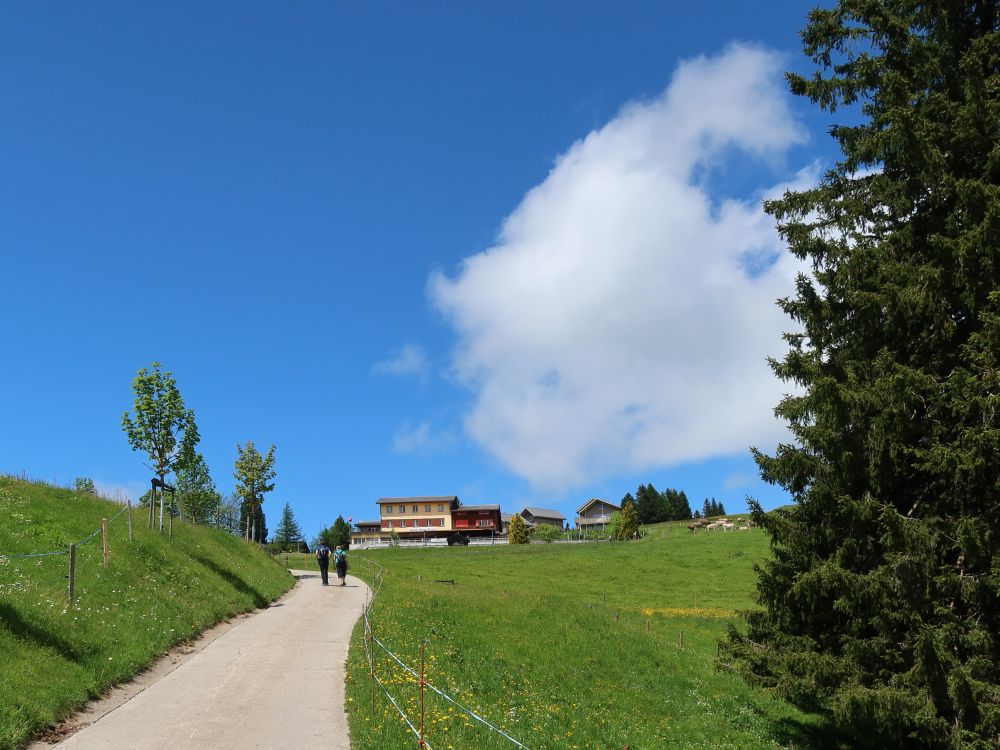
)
(157, 592)
(570, 646)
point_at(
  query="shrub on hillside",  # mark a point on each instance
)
(546, 533)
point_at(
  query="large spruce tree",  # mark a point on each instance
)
(881, 604)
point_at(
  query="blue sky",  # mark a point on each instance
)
(509, 251)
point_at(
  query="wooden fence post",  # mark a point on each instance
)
(680, 640)
(131, 535)
(371, 657)
(72, 571)
(422, 683)
(105, 549)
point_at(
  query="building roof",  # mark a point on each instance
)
(545, 513)
(505, 517)
(367, 523)
(430, 499)
(478, 507)
(596, 500)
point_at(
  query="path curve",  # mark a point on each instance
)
(274, 681)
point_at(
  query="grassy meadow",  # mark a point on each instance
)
(157, 592)
(569, 646)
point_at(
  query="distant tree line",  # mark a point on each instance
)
(654, 507)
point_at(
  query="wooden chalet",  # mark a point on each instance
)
(477, 520)
(595, 513)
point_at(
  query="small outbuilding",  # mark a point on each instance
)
(542, 516)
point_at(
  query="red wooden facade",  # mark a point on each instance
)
(476, 520)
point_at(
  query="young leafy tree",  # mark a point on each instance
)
(227, 514)
(518, 533)
(548, 533)
(881, 603)
(163, 427)
(196, 493)
(85, 485)
(253, 476)
(288, 535)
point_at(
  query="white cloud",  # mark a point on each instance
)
(407, 360)
(421, 438)
(614, 325)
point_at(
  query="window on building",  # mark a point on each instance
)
(487, 522)
(416, 508)
(427, 509)
(440, 508)
(388, 509)
(402, 509)
(439, 522)
(388, 524)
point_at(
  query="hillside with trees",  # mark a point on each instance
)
(156, 591)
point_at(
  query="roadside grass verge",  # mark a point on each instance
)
(569, 646)
(55, 656)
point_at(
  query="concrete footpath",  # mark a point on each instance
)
(275, 680)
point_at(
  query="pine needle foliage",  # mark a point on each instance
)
(518, 532)
(881, 605)
(628, 522)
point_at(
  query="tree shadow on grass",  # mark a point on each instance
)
(11, 620)
(233, 580)
(817, 734)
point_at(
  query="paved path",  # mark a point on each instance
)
(274, 681)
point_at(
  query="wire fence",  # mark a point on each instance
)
(75, 562)
(377, 572)
(98, 530)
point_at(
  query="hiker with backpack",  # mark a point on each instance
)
(340, 562)
(323, 558)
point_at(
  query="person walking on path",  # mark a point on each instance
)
(323, 558)
(340, 562)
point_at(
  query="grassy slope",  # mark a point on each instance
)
(551, 643)
(156, 593)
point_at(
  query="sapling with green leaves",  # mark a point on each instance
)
(254, 474)
(196, 491)
(163, 427)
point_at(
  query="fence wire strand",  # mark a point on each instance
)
(23, 555)
(378, 579)
(401, 713)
